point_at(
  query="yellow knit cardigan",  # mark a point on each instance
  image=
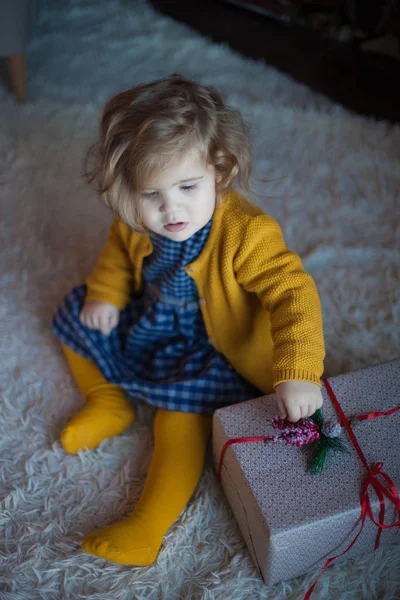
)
(260, 308)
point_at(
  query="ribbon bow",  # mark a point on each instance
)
(381, 490)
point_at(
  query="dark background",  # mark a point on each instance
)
(288, 35)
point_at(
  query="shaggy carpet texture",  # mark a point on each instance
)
(332, 180)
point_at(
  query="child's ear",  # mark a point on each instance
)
(218, 176)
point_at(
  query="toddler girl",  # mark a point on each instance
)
(195, 302)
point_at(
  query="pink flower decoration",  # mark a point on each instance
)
(297, 434)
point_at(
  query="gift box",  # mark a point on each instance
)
(293, 521)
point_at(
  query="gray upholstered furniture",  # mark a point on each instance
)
(17, 19)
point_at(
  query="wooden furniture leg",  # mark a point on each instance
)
(16, 68)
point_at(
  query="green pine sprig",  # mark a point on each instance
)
(318, 451)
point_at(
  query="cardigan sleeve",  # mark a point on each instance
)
(111, 279)
(264, 266)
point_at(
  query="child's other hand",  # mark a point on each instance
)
(100, 315)
(298, 399)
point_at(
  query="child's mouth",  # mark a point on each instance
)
(175, 226)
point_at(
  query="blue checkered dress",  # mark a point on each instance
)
(159, 352)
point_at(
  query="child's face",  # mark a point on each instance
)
(181, 200)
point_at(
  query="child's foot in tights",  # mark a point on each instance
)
(180, 441)
(107, 413)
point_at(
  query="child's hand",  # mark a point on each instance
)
(100, 315)
(298, 399)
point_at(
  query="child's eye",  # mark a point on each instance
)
(150, 194)
(188, 188)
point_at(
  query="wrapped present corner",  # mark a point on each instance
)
(293, 522)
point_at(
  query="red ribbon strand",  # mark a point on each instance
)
(242, 440)
(373, 473)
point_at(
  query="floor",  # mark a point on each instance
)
(366, 83)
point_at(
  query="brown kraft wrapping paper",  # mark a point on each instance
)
(293, 522)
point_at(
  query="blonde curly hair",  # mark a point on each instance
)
(143, 128)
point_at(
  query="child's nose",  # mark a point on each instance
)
(168, 203)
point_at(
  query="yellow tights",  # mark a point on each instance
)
(107, 411)
(180, 441)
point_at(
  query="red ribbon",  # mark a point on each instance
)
(372, 479)
(371, 415)
(381, 490)
(242, 440)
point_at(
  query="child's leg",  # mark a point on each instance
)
(180, 441)
(107, 411)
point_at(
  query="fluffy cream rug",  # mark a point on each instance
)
(333, 183)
